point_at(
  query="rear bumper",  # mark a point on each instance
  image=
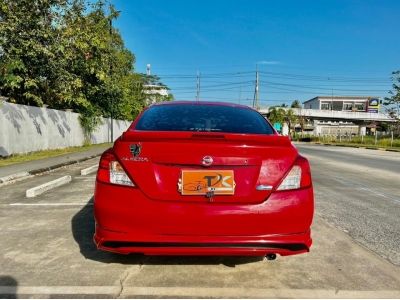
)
(203, 245)
(128, 222)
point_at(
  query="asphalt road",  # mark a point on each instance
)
(358, 191)
(47, 249)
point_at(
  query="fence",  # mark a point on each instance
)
(26, 128)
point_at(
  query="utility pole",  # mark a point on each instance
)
(112, 98)
(198, 86)
(255, 100)
(331, 95)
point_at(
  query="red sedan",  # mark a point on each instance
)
(203, 178)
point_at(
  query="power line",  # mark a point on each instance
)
(340, 78)
(207, 75)
(319, 88)
(246, 100)
(277, 74)
(291, 84)
(216, 87)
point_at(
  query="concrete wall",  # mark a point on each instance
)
(344, 129)
(26, 128)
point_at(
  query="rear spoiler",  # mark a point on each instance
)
(272, 139)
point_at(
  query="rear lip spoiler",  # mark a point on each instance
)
(120, 244)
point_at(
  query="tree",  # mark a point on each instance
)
(282, 115)
(98, 67)
(392, 103)
(27, 49)
(295, 104)
(276, 115)
(290, 118)
(66, 54)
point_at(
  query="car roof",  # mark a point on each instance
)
(226, 104)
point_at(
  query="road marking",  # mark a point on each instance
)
(48, 290)
(50, 204)
(362, 187)
(215, 292)
(89, 170)
(40, 189)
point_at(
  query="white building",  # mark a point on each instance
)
(344, 103)
(326, 115)
(155, 93)
(350, 104)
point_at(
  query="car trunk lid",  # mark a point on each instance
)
(157, 170)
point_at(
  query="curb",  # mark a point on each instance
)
(40, 189)
(13, 177)
(23, 175)
(349, 146)
(89, 170)
(57, 166)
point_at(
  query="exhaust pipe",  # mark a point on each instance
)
(270, 256)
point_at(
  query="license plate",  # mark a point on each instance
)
(200, 182)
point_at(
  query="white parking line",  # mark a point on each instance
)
(215, 292)
(50, 204)
(48, 290)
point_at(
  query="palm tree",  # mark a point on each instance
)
(281, 115)
(290, 118)
(276, 115)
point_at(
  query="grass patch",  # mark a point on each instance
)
(356, 141)
(19, 158)
(367, 146)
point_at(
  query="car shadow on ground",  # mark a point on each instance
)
(8, 287)
(83, 229)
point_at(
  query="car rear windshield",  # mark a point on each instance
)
(207, 118)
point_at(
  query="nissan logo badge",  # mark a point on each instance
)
(207, 161)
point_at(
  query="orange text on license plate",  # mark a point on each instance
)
(199, 182)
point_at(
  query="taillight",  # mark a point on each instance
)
(118, 175)
(298, 177)
(111, 171)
